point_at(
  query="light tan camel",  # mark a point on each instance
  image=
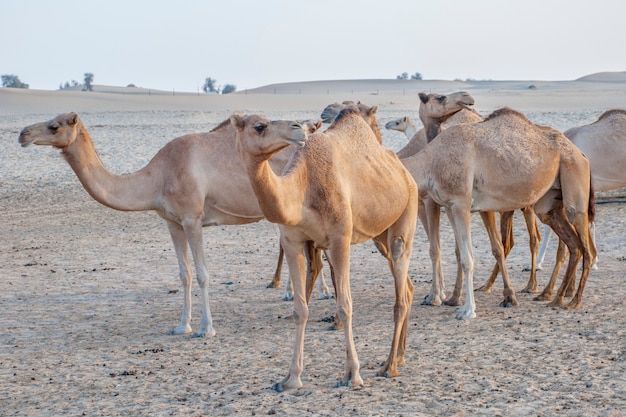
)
(450, 110)
(404, 125)
(195, 180)
(342, 188)
(604, 144)
(502, 164)
(419, 139)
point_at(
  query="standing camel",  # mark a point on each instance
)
(604, 143)
(194, 181)
(342, 188)
(502, 164)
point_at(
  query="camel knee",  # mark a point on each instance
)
(397, 248)
(300, 314)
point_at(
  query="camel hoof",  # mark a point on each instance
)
(179, 330)
(204, 333)
(278, 387)
(530, 290)
(287, 298)
(431, 300)
(325, 296)
(543, 297)
(452, 301)
(464, 313)
(484, 288)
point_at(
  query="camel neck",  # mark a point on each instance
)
(120, 192)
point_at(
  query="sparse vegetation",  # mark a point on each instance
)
(87, 86)
(12, 81)
(210, 86)
(229, 88)
(405, 76)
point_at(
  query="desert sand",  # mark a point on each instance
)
(87, 294)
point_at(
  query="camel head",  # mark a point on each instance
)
(259, 136)
(400, 124)
(367, 113)
(438, 106)
(59, 132)
(310, 126)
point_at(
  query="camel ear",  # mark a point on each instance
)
(404, 119)
(318, 125)
(423, 98)
(237, 121)
(373, 110)
(73, 119)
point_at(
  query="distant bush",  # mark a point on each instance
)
(131, 85)
(405, 76)
(12, 81)
(229, 88)
(88, 82)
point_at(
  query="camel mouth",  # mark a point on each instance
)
(24, 142)
(299, 143)
(468, 106)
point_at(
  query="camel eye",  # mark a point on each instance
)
(54, 128)
(441, 99)
(260, 128)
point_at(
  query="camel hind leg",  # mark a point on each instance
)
(489, 220)
(398, 245)
(430, 215)
(506, 232)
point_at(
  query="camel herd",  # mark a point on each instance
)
(330, 188)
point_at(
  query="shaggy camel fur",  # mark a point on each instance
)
(342, 188)
(502, 164)
(604, 144)
(195, 180)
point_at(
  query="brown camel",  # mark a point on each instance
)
(604, 144)
(502, 164)
(342, 188)
(195, 180)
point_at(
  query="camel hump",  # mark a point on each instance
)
(506, 111)
(612, 112)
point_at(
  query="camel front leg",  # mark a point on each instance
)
(533, 243)
(489, 220)
(430, 215)
(193, 232)
(275, 282)
(339, 259)
(561, 254)
(506, 230)
(460, 219)
(184, 273)
(294, 252)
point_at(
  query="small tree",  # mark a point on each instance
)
(12, 81)
(416, 76)
(403, 76)
(229, 88)
(88, 80)
(210, 86)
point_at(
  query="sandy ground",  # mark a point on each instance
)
(87, 293)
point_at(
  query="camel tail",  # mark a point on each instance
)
(591, 209)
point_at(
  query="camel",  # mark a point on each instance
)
(194, 181)
(342, 188)
(501, 164)
(604, 144)
(419, 139)
(404, 125)
(451, 110)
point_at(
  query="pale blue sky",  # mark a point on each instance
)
(177, 44)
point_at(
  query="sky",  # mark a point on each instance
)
(176, 45)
